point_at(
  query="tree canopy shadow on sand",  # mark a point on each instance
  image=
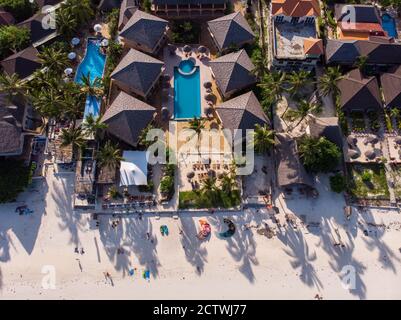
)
(130, 235)
(302, 257)
(195, 252)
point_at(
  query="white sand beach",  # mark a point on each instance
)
(294, 264)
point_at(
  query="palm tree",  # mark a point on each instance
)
(94, 88)
(263, 138)
(80, 9)
(361, 63)
(48, 102)
(209, 188)
(259, 62)
(228, 183)
(109, 156)
(66, 23)
(12, 85)
(92, 125)
(142, 141)
(273, 83)
(394, 113)
(327, 83)
(304, 108)
(197, 125)
(55, 60)
(297, 80)
(72, 136)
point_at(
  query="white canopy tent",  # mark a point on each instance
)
(134, 168)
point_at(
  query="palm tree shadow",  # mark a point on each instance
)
(195, 253)
(302, 257)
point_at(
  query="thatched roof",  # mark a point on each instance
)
(326, 127)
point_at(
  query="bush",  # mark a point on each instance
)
(167, 184)
(185, 32)
(338, 183)
(147, 5)
(20, 9)
(366, 176)
(112, 22)
(15, 177)
(13, 39)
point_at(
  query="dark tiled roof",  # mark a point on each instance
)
(347, 51)
(174, 2)
(359, 92)
(144, 28)
(232, 29)
(10, 128)
(391, 85)
(242, 112)
(363, 13)
(137, 70)
(127, 8)
(108, 5)
(233, 71)
(6, 18)
(326, 127)
(35, 26)
(127, 116)
(23, 63)
(290, 170)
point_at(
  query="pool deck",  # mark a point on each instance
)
(173, 60)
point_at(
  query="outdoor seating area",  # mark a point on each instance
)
(130, 202)
(394, 148)
(364, 148)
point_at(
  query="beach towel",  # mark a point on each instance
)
(146, 274)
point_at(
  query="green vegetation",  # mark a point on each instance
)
(15, 177)
(114, 52)
(12, 40)
(368, 181)
(304, 108)
(147, 5)
(72, 15)
(263, 139)
(186, 32)
(112, 22)
(167, 188)
(338, 183)
(20, 9)
(318, 154)
(198, 200)
(109, 156)
(56, 60)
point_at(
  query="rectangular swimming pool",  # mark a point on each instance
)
(93, 63)
(187, 103)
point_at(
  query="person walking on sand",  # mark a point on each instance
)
(79, 264)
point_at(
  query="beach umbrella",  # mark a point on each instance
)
(165, 113)
(72, 55)
(68, 71)
(202, 49)
(190, 175)
(353, 154)
(351, 140)
(397, 140)
(207, 84)
(370, 139)
(209, 96)
(75, 41)
(97, 27)
(209, 110)
(104, 43)
(370, 154)
(187, 48)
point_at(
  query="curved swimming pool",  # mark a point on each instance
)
(388, 24)
(187, 103)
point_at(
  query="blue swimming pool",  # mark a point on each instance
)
(388, 24)
(187, 103)
(93, 62)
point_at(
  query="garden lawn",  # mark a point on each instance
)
(199, 200)
(377, 188)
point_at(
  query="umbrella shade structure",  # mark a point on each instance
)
(72, 55)
(97, 27)
(104, 43)
(202, 49)
(352, 140)
(190, 175)
(397, 140)
(165, 113)
(209, 96)
(68, 71)
(370, 139)
(207, 84)
(187, 48)
(353, 154)
(75, 41)
(209, 110)
(370, 154)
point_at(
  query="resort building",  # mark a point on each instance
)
(6, 18)
(127, 9)
(290, 171)
(242, 112)
(23, 63)
(108, 5)
(359, 92)
(144, 32)
(380, 53)
(357, 21)
(230, 31)
(182, 9)
(137, 73)
(391, 87)
(233, 72)
(295, 41)
(42, 28)
(126, 117)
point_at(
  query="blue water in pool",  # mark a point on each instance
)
(93, 63)
(187, 91)
(388, 24)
